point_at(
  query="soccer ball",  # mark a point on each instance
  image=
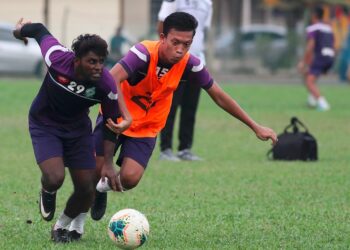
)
(128, 228)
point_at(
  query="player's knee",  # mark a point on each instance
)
(86, 187)
(85, 190)
(129, 184)
(53, 180)
(131, 173)
(130, 179)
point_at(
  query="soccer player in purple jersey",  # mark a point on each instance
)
(149, 75)
(318, 58)
(60, 127)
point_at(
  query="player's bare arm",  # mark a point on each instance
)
(119, 74)
(108, 171)
(226, 102)
(127, 119)
(307, 58)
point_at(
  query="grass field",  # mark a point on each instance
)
(235, 199)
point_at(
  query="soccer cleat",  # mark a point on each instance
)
(322, 104)
(187, 155)
(167, 155)
(60, 235)
(47, 205)
(99, 205)
(74, 235)
(311, 101)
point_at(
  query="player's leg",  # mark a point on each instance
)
(81, 198)
(80, 201)
(52, 179)
(315, 98)
(189, 105)
(99, 204)
(48, 151)
(70, 224)
(166, 135)
(133, 159)
(310, 83)
(130, 174)
(79, 157)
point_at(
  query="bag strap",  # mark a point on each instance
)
(269, 154)
(294, 122)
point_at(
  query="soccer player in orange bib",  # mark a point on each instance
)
(149, 74)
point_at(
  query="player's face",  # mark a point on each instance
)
(175, 45)
(89, 67)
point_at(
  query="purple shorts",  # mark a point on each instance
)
(319, 67)
(138, 149)
(77, 151)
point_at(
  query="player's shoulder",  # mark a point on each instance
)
(54, 52)
(51, 43)
(324, 27)
(106, 84)
(107, 79)
(141, 51)
(194, 64)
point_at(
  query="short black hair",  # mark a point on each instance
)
(180, 21)
(318, 12)
(83, 44)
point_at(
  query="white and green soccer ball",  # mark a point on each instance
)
(128, 228)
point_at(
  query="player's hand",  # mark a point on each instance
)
(302, 68)
(118, 128)
(17, 31)
(108, 172)
(264, 134)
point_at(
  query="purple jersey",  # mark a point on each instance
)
(63, 100)
(324, 42)
(136, 63)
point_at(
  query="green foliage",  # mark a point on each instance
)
(235, 199)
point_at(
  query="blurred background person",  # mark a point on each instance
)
(186, 95)
(318, 57)
(118, 44)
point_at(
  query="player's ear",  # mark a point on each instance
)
(77, 61)
(162, 37)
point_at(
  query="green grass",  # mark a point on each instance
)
(235, 199)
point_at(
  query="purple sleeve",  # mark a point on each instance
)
(109, 103)
(310, 35)
(54, 53)
(137, 58)
(198, 73)
(310, 32)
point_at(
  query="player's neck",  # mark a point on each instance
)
(162, 59)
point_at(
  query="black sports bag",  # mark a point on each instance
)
(295, 145)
